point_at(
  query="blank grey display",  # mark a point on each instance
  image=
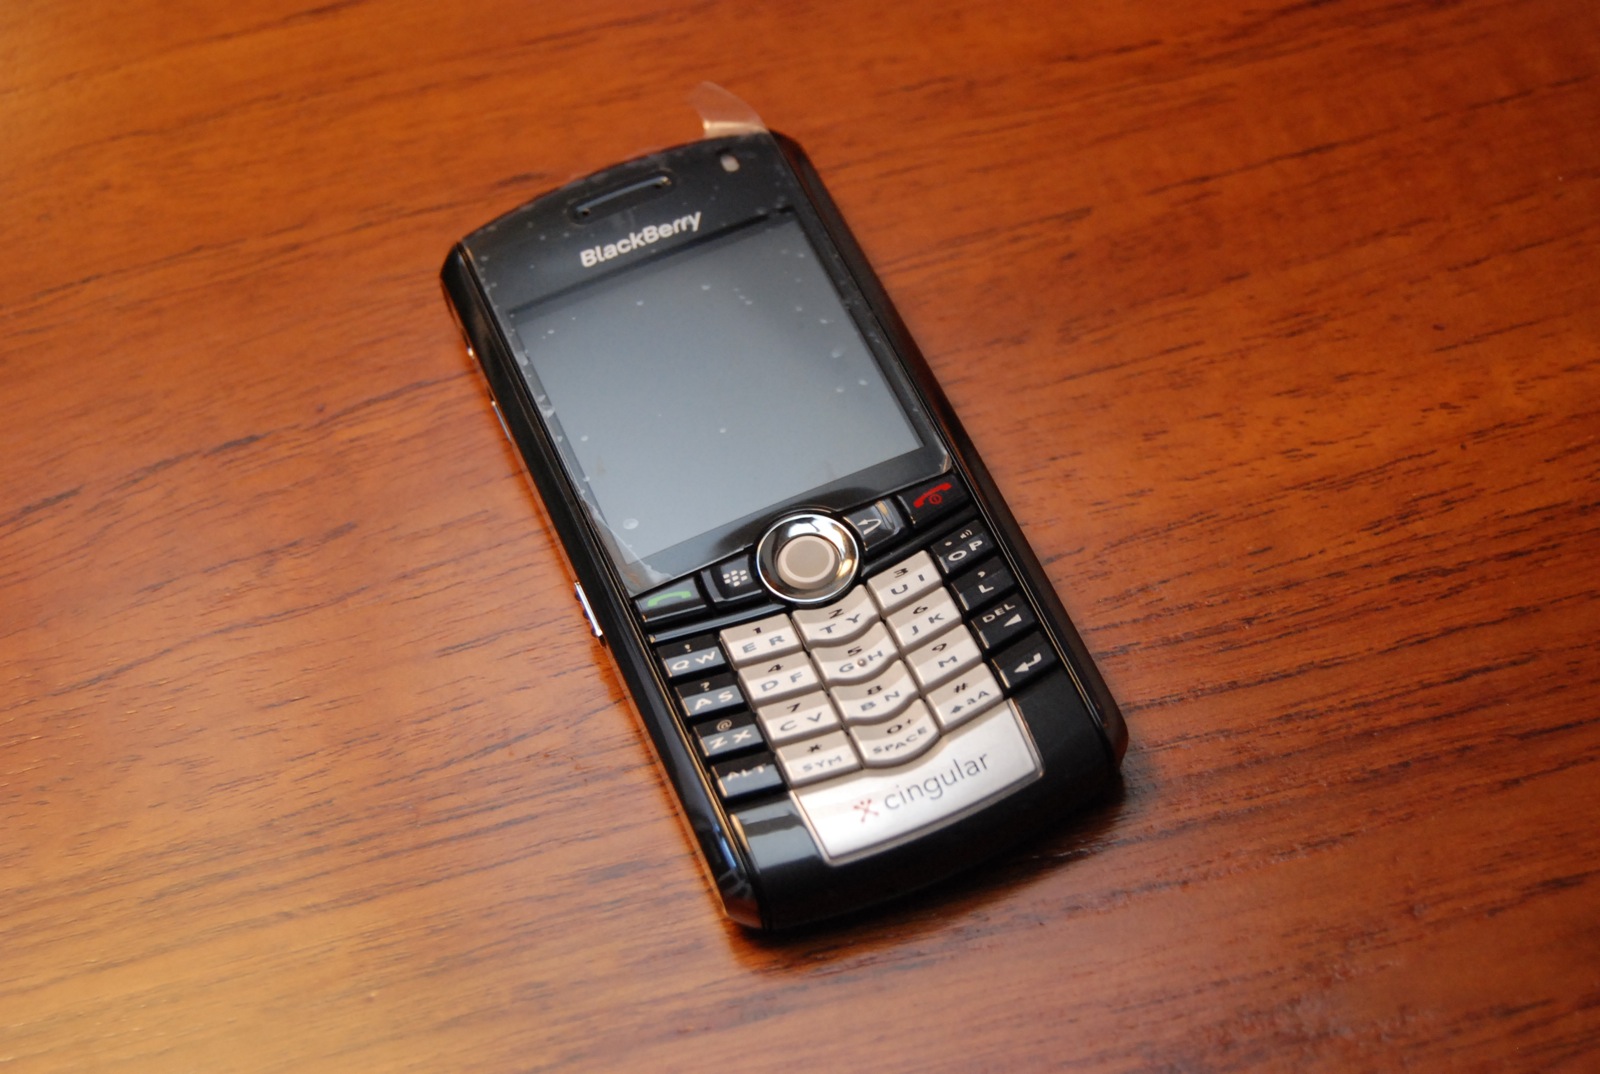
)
(705, 386)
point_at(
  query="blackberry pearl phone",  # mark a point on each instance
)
(852, 668)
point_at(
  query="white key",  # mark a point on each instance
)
(897, 740)
(840, 621)
(798, 717)
(859, 659)
(904, 581)
(773, 680)
(962, 698)
(878, 698)
(818, 758)
(924, 619)
(769, 637)
(950, 654)
(978, 762)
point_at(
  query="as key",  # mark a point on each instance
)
(706, 697)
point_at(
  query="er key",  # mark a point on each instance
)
(765, 638)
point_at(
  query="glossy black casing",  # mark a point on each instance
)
(762, 858)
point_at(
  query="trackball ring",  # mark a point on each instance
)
(808, 558)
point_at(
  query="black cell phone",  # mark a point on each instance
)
(852, 668)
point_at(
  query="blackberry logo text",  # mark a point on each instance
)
(643, 237)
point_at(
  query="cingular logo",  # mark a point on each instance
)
(643, 237)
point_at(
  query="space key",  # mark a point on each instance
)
(982, 760)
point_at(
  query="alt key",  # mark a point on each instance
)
(737, 780)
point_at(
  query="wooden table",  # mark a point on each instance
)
(1278, 326)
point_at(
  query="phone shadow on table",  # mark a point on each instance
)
(961, 903)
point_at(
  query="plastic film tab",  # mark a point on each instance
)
(722, 114)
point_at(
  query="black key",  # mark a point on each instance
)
(707, 696)
(747, 777)
(1018, 665)
(1004, 622)
(727, 736)
(876, 523)
(678, 598)
(692, 656)
(962, 549)
(982, 584)
(934, 501)
(733, 579)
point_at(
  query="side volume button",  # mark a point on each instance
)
(588, 613)
(501, 418)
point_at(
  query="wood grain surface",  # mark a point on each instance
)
(1277, 325)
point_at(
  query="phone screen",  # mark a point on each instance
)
(707, 385)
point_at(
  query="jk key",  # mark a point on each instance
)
(924, 619)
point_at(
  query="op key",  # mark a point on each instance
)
(961, 550)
